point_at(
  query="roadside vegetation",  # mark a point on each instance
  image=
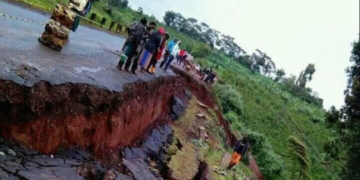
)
(291, 135)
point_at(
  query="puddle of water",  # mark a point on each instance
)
(82, 69)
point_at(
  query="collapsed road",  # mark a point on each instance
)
(74, 115)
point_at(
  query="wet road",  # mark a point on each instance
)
(90, 56)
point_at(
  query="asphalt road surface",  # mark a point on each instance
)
(90, 57)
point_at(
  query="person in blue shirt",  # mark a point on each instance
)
(168, 51)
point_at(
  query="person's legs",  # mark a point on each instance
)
(128, 63)
(129, 52)
(177, 58)
(169, 62)
(152, 66)
(185, 63)
(134, 65)
(165, 59)
(152, 62)
(163, 62)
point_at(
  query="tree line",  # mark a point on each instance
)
(257, 62)
(346, 121)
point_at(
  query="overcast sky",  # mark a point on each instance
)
(293, 33)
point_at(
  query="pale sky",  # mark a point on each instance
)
(293, 33)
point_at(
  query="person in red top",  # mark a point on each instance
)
(181, 55)
(157, 57)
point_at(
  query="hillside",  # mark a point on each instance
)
(260, 108)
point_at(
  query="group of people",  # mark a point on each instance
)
(145, 46)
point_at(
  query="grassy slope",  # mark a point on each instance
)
(186, 130)
(266, 107)
(278, 115)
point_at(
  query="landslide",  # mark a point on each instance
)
(47, 116)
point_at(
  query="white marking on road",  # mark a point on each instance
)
(82, 69)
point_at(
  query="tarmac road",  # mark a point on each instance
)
(90, 57)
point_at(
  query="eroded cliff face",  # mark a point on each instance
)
(47, 116)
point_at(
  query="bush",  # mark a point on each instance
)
(230, 99)
(232, 117)
(271, 165)
(201, 50)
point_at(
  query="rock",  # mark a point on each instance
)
(123, 177)
(30, 175)
(203, 105)
(25, 151)
(75, 154)
(151, 146)
(188, 93)
(205, 172)
(110, 175)
(66, 173)
(55, 36)
(201, 116)
(139, 152)
(128, 154)
(73, 162)
(10, 166)
(168, 129)
(48, 161)
(177, 108)
(64, 15)
(3, 174)
(139, 169)
(225, 160)
(157, 138)
(202, 133)
(11, 152)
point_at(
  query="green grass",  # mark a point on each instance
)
(278, 115)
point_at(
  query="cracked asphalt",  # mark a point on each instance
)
(90, 57)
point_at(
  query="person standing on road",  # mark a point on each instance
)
(157, 57)
(151, 47)
(180, 56)
(173, 54)
(82, 8)
(140, 47)
(240, 150)
(169, 48)
(137, 33)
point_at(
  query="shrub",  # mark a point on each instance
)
(230, 99)
(271, 164)
(232, 117)
(201, 50)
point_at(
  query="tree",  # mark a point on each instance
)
(121, 3)
(306, 76)
(352, 110)
(202, 32)
(124, 3)
(141, 11)
(263, 63)
(169, 18)
(279, 74)
(192, 20)
(333, 116)
(245, 60)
